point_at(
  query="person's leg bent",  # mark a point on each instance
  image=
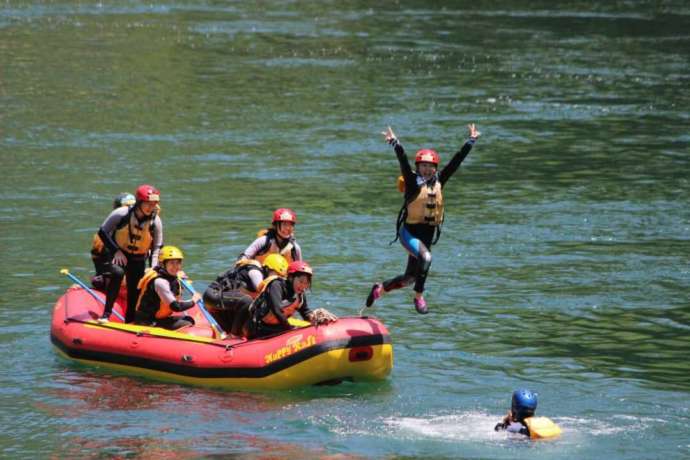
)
(114, 274)
(403, 280)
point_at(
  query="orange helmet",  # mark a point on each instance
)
(147, 192)
(300, 267)
(427, 156)
(284, 215)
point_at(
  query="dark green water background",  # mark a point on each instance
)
(564, 261)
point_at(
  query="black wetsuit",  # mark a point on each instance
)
(419, 258)
(278, 294)
(165, 288)
(227, 298)
(136, 263)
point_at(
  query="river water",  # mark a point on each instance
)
(564, 261)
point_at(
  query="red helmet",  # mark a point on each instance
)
(300, 266)
(427, 156)
(284, 215)
(147, 193)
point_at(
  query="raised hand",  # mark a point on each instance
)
(473, 131)
(389, 135)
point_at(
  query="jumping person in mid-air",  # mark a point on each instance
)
(420, 218)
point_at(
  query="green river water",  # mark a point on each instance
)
(564, 264)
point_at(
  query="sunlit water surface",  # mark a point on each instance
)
(563, 265)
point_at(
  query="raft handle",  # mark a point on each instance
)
(77, 341)
(187, 358)
(364, 353)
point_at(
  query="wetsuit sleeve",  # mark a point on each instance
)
(298, 251)
(157, 240)
(181, 306)
(163, 290)
(255, 276)
(109, 226)
(410, 177)
(254, 248)
(454, 163)
(304, 310)
(275, 300)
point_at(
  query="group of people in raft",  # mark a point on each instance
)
(254, 298)
(267, 283)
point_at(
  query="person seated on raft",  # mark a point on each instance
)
(520, 418)
(98, 281)
(279, 298)
(228, 297)
(161, 293)
(278, 239)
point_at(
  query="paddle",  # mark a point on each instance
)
(217, 331)
(64, 271)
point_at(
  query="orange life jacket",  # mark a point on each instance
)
(149, 296)
(288, 310)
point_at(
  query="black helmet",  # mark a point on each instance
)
(123, 199)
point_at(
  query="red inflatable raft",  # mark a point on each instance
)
(352, 348)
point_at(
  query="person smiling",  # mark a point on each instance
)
(420, 218)
(278, 239)
(128, 237)
(161, 293)
(279, 299)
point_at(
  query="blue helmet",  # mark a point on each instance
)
(524, 403)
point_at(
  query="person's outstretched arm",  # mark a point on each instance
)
(459, 156)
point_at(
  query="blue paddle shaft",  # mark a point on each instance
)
(214, 324)
(93, 294)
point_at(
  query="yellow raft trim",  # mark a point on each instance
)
(331, 365)
(167, 333)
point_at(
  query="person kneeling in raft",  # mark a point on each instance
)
(420, 218)
(229, 297)
(161, 293)
(521, 419)
(279, 299)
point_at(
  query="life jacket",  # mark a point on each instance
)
(149, 301)
(231, 279)
(271, 247)
(97, 245)
(541, 427)
(261, 304)
(426, 207)
(129, 235)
